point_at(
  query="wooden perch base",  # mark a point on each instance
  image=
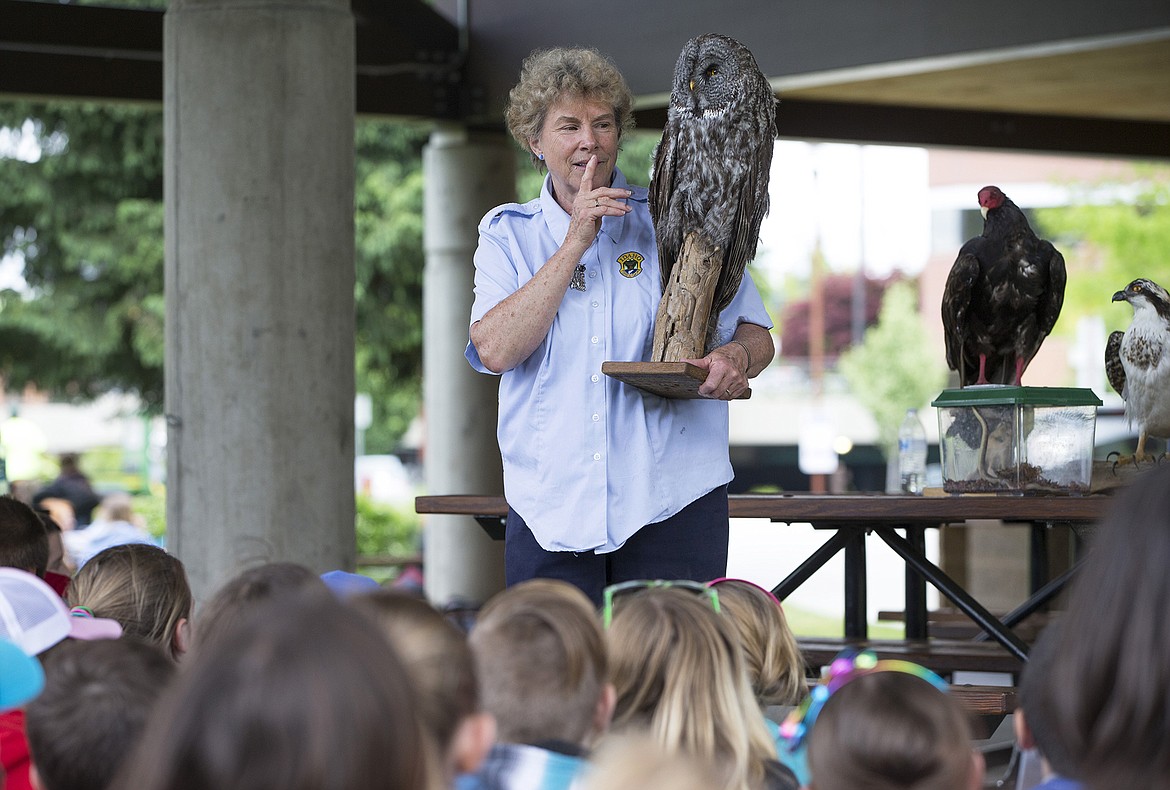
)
(678, 380)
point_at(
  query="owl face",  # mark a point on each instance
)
(708, 75)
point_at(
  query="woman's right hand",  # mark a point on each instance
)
(590, 205)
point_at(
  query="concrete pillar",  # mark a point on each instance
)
(465, 177)
(259, 119)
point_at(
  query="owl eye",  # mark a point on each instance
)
(711, 71)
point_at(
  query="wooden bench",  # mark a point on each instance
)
(939, 655)
(943, 656)
(976, 699)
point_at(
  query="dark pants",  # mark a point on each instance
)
(691, 544)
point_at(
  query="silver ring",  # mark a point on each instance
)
(728, 393)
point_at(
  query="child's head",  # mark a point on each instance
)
(142, 587)
(92, 710)
(680, 674)
(885, 725)
(1110, 666)
(636, 761)
(250, 587)
(540, 658)
(439, 660)
(301, 694)
(1035, 717)
(24, 542)
(774, 663)
(58, 561)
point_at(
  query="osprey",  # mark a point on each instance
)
(1002, 297)
(1137, 361)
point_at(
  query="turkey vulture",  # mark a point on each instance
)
(1138, 361)
(1003, 296)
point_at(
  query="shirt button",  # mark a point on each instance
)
(597, 456)
(592, 274)
(596, 417)
(596, 303)
(595, 378)
(593, 339)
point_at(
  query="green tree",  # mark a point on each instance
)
(892, 370)
(389, 264)
(1106, 245)
(86, 217)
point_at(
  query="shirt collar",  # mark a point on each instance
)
(557, 219)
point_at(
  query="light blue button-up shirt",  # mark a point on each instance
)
(587, 459)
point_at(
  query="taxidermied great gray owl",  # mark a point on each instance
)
(712, 165)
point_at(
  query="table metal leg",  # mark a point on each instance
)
(960, 597)
(856, 620)
(813, 564)
(1038, 562)
(1038, 599)
(917, 626)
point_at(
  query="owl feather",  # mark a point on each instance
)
(712, 165)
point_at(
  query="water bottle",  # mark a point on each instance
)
(912, 453)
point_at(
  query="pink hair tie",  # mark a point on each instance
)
(81, 611)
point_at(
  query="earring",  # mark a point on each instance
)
(540, 157)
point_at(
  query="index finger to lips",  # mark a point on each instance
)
(587, 176)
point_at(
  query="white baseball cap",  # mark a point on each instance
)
(35, 618)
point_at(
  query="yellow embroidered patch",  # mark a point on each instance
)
(630, 264)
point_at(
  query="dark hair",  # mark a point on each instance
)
(302, 694)
(240, 594)
(888, 731)
(93, 708)
(24, 543)
(434, 651)
(1110, 669)
(1034, 698)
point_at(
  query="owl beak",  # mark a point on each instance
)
(692, 85)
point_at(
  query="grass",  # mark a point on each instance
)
(806, 623)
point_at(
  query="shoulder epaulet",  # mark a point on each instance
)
(528, 209)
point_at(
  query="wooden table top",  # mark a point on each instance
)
(873, 509)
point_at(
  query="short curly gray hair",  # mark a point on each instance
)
(547, 75)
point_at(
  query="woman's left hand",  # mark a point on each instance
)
(726, 373)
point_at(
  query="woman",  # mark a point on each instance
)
(564, 283)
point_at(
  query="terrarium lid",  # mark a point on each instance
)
(1000, 395)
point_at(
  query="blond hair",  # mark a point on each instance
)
(548, 75)
(679, 673)
(141, 586)
(541, 661)
(774, 663)
(636, 761)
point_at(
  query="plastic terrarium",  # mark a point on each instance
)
(1016, 440)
